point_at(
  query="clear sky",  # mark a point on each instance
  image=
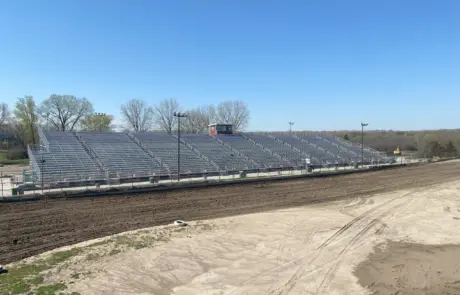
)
(323, 64)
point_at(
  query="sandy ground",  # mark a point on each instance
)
(404, 242)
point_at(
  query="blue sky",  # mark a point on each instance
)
(323, 64)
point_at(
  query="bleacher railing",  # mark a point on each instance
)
(197, 152)
(43, 139)
(154, 157)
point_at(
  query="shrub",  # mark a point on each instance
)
(16, 154)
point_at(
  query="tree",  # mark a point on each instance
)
(138, 116)
(456, 143)
(199, 119)
(26, 121)
(233, 112)
(428, 145)
(164, 114)
(97, 122)
(345, 137)
(4, 114)
(65, 111)
(18, 131)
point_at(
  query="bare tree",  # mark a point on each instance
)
(234, 112)
(26, 121)
(199, 119)
(193, 122)
(65, 111)
(164, 114)
(138, 116)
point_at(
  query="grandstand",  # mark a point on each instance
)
(75, 157)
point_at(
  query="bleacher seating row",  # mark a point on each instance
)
(73, 157)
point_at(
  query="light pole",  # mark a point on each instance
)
(362, 142)
(290, 127)
(178, 115)
(99, 117)
(43, 166)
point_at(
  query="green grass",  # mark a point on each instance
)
(62, 256)
(15, 162)
(21, 278)
(36, 280)
(18, 288)
(50, 289)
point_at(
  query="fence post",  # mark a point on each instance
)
(1, 176)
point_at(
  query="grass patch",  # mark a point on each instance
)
(36, 280)
(62, 256)
(130, 242)
(139, 245)
(101, 243)
(50, 289)
(22, 277)
(15, 162)
(139, 242)
(18, 288)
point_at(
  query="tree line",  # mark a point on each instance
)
(70, 113)
(425, 143)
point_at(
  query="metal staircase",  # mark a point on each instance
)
(312, 145)
(266, 149)
(99, 163)
(197, 152)
(152, 156)
(294, 148)
(235, 151)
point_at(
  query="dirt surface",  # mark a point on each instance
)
(27, 229)
(323, 248)
(412, 269)
(13, 169)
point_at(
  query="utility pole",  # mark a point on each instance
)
(178, 115)
(362, 142)
(290, 127)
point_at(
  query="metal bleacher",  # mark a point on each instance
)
(120, 154)
(370, 155)
(65, 159)
(334, 152)
(318, 156)
(285, 151)
(164, 146)
(102, 156)
(261, 157)
(224, 157)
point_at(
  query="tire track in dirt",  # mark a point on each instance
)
(301, 271)
(355, 223)
(357, 236)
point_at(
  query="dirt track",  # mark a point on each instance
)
(28, 229)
